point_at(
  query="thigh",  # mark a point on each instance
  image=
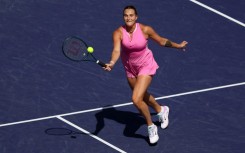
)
(140, 85)
(132, 82)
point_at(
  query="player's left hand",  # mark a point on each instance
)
(183, 45)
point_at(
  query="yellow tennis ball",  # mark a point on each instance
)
(90, 49)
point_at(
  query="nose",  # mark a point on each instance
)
(127, 18)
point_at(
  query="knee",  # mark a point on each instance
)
(136, 100)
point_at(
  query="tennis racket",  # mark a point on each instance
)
(75, 49)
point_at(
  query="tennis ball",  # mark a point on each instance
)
(90, 49)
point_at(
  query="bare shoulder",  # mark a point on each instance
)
(118, 32)
(146, 29)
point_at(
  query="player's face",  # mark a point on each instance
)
(129, 17)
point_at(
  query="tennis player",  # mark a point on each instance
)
(130, 42)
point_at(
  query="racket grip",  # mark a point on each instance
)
(101, 63)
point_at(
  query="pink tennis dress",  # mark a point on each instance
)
(136, 57)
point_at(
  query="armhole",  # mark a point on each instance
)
(142, 30)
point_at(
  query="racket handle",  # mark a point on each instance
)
(101, 63)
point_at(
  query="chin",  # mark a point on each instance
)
(130, 24)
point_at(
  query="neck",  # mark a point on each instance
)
(130, 29)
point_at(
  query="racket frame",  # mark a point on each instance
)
(86, 55)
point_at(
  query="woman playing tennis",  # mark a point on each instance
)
(130, 42)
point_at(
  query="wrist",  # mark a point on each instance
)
(112, 62)
(179, 46)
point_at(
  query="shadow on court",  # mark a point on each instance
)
(58, 131)
(132, 121)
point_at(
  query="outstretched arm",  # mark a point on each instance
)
(163, 41)
(116, 50)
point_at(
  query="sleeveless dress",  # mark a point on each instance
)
(136, 57)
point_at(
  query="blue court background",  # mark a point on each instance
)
(36, 80)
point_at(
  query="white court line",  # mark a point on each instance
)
(217, 12)
(124, 104)
(203, 90)
(90, 134)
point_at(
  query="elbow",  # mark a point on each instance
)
(163, 42)
(168, 43)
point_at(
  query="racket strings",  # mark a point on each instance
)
(75, 49)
